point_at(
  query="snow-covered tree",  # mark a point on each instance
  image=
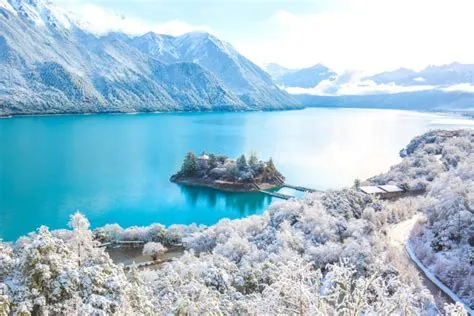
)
(154, 249)
(212, 161)
(82, 239)
(242, 163)
(47, 277)
(253, 161)
(324, 254)
(456, 309)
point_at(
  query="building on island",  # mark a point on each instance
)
(203, 161)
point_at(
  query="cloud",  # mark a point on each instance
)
(371, 35)
(353, 83)
(462, 87)
(98, 20)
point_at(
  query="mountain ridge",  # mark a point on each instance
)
(430, 100)
(308, 77)
(436, 75)
(50, 65)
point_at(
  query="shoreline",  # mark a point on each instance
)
(203, 111)
(460, 114)
(225, 187)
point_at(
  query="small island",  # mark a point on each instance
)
(232, 175)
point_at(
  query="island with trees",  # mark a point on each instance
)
(340, 252)
(226, 174)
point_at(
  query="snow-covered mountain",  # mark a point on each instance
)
(276, 71)
(300, 78)
(244, 78)
(430, 100)
(451, 74)
(50, 64)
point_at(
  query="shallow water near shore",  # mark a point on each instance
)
(116, 168)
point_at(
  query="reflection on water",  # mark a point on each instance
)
(291, 192)
(246, 203)
(116, 168)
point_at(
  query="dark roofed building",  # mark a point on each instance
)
(388, 191)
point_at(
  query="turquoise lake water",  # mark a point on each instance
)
(116, 168)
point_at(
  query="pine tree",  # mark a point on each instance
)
(242, 163)
(271, 165)
(357, 184)
(189, 166)
(253, 161)
(233, 171)
(212, 161)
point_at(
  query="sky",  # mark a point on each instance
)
(366, 35)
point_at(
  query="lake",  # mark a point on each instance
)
(116, 168)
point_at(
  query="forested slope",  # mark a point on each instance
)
(321, 255)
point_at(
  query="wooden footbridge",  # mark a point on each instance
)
(299, 188)
(285, 196)
(277, 195)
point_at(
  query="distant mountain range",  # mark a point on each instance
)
(437, 88)
(444, 75)
(301, 78)
(49, 64)
(431, 100)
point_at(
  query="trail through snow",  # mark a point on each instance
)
(397, 236)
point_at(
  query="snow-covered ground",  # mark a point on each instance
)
(397, 236)
(430, 275)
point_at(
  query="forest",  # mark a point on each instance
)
(324, 254)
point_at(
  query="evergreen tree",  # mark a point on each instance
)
(271, 165)
(189, 166)
(212, 161)
(233, 171)
(253, 161)
(357, 184)
(242, 163)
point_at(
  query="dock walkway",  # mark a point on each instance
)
(299, 188)
(276, 194)
(281, 195)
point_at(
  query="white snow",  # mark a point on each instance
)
(390, 188)
(398, 233)
(39, 12)
(370, 189)
(4, 4)
(430, 275)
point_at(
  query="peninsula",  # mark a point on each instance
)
(232, 175)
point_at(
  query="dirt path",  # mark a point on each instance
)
(398, 234)
(397, 237)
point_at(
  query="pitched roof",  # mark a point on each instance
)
(370, 189)
(391, 188)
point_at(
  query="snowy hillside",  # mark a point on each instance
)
(49, 64)
(324, 254)
(450, 74)
(276, 70)
(307, 77)
(244, 78)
